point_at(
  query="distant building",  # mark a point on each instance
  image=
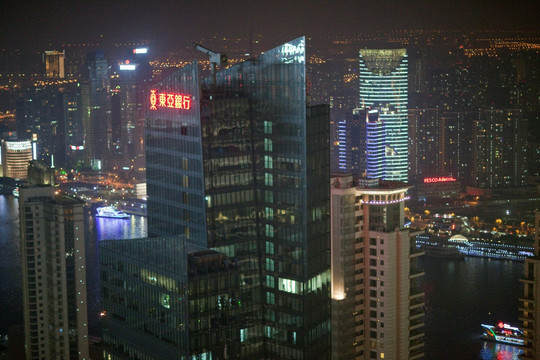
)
(435, 188)
(95, 111)
(39, 118)
(54, 64)
(529, 308)
(40, 174)
(499, 149)
(128, 89)
(351, 147)
(383, 79)
(15, 157)
(53, 274)
(455, 144)
(424, 141)
(377, 297)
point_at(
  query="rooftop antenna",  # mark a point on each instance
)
(216, 59)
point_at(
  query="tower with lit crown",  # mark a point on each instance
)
(383, 79)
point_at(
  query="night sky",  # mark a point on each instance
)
(38, 23)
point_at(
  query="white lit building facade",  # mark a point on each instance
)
(15, 156)
(383, 82)
(377, 301)
(54, 64)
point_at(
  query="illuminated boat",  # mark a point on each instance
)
(111, 212)
(503, 333)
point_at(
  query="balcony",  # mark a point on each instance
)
(526, 298)
(529, 317)
(417, 354)
(416, 334)
(416, 273)
(416, 314)
(527, 327)
(416, 344)
(416, 324)
(416, 295)
(523, 307)
(417, 303)
(527, 279)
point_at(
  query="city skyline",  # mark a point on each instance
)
(235, 157)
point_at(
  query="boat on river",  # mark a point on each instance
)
(111, 212)
(503, 333)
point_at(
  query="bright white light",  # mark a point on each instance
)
(140, 51)
(128, 66)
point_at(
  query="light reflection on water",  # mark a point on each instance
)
(112, 229)
(491, 351)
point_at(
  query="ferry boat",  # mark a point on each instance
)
(111, 212)
(503, 333)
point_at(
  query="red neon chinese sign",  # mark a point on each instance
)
(169, 100)
(439, 179)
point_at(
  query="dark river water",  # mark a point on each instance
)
(460, 295)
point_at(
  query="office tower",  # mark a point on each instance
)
(242, 168)
(54, 64)
(53, 272)
(377, 298)
(95, 112)
(375, 135)
(15, 156)
(499, 149)
(352, 142)
(164, 298)
(73, 139)
(127, 111)
(424, 142)
(383, 87)
(530, 299)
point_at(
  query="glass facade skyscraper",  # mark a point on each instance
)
(383, 80)
(242, 167)
(95, 112)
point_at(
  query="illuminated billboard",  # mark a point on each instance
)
(169, 100)
(140, 51)
(430, 180)
(128, 67)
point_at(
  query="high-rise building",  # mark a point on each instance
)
(499, 149)
(127, 112)
(424, 142)
(53, 272)
(383, 80)
(54, 64)
(15, 157)
(72, 127)
(351, 147)
(95, 111)
(242, 167)
(377, 297)
(529, 300)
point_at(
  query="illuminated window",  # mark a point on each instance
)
(267, 145)
(268, 127)
(268, 179)
(268, 162)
